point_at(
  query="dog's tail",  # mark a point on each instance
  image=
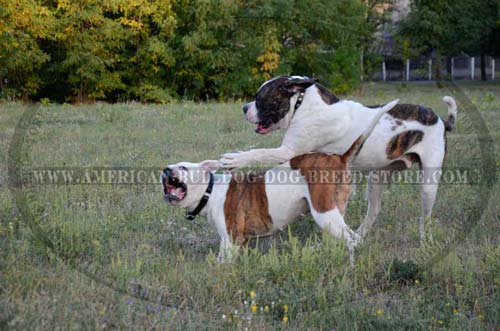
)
(449, 123)
(358, 145)
(373, 124)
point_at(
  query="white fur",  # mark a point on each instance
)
(374, 157)
(287, 201)
(315, 127)
(331, 129)
(452, 105)
(251, 114)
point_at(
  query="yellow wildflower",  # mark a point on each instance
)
(379, 312)
(253, 294)
(285, 319)
(253, 308)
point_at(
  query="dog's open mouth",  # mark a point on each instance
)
(263, 128)
(173, 190)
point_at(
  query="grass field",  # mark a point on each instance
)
(119, 258)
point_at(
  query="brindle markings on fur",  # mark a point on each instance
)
(417, 113)
(328, 97)
(273, 98)
(425, 116)
(445, 158)
(449, 123)
(272, 104)
(246, 207)
(402, 142)
(327, 178)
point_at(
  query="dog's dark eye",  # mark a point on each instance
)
(183, 168)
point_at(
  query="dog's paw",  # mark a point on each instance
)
(361, 233)
(221, 259)
(354, 240)
(358, 239)
(234, 160)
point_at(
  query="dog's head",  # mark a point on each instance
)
(184, 183)
(274, 101)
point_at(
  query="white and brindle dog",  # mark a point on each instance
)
(317, 121)
(245, 205)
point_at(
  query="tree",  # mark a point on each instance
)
(377, 12)
(156, 50)
(448, 27)
(146, 58)
(90, 42)
(209, 63)
(314, 37)
(23, 24)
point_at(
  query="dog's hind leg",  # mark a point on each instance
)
(431, 168)
(430, 183)
(377, 180)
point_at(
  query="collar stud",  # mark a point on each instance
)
(300, 98)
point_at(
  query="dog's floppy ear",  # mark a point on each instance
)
(297, 84)
(211, 165)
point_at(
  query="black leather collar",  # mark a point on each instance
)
(191, 215)
(300, 98)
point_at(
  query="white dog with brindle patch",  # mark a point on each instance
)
(317, 121)
(256, 205)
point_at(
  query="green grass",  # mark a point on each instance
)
(122, 259)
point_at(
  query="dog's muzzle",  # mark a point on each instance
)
(173, 189)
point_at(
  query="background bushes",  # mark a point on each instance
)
(155, 50)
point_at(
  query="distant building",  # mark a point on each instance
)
(401, 8)
(386, 45)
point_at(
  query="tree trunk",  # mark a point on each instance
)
(483, 65)
(437, 68)
(81, 92)
(448, 65)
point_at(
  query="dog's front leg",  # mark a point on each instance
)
(227, 251)
(333, 222)
(261, 156)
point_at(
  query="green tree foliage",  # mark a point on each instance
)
(91, 43)
(23, 24)
(449, 27)
(377, 12)
(206, 49)
(156, 50)
(146, 58)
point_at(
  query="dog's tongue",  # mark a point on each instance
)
(175, 192)
(261, 129)
(178, 192)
